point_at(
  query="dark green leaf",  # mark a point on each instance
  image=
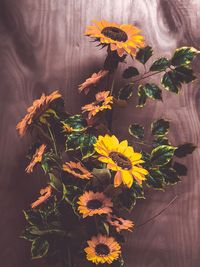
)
(142, 97)
(180, 168)
(55, 182)
(70, 192)
(144, 54)
(136, 130)
(126, 92)
(155, 179)
(161, 155)
(183, 56)
(170, 175)
(152, 91)
(33, 217)
(76, 122)
(130, 72)
(160, 140)
(170, 82)
(184, 74)
(39, 248)
(27, 235)
(160, 64)
(184, 150)
(137, 190)
(160, 127)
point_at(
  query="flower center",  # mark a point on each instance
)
(121, 160)
(76, 170)
(94, 204)
(115, 34)
(99, 103)
(102, 249)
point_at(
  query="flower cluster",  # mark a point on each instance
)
(93, 177)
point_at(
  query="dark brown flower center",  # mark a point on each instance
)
(99, 103)
(102, 249)
(94, 204)
(121, 160)
(115, 34)
(76, 170)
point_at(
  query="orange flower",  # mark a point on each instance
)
(92, 81)
(103, 101)
(91, 203)
(37, 157)
(77, 170)
(102, 249)
(38, 107)
(45, 194)
(124, 38)
(119, 223)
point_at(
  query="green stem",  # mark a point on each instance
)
(53, 140)
(144, 77)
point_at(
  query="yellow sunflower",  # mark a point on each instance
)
(120, 157)
(102, 249)
(124, 38)
(120, 223)
(37, 157)
(39, 107)
(103, 101)
(45, 194)
(91, 203)
(77, 170)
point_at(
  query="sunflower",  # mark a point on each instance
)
(45, 194)
(92, 81)
(39, 107)
(120, 158)
(125, 38)
(102, 249)
(103, 101)
(91, 203)
(119, 223)
(77, 170)
(37, 157)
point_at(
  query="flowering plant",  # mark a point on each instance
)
(94, 179)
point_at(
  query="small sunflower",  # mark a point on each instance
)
(45, 194)
(120, 158)
(92, 81)
(38, 108)
(77, 170)
(102, 249)
(91, 203)
(119, 223)
(124, 38)
(103, 101)
(37, 157)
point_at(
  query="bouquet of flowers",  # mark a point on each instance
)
(94, 178)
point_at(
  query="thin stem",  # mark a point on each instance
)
(142, 143)
(156, 215)
(144, 77)
(53, 140)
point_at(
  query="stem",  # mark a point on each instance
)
(144, 77)
(156, 215)
(53, 140)
(142, 143)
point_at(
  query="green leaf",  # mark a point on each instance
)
(102, 174)
(170, 82)
(144, 54)
(184, 74)
(70, 192)
(27, 235)
(126, 92)
(160, 140)
(39, 248)
(160, 127)
(76, 122)
(33, 216)
(170, 175)
(130, 72)
(161, 155)
(160, 64)
(136, 130)
(142, 97)
(55, 182)
(180, 168)
(183, 56)
(155, 179)
(152, 91)
(184, 150)
(137, 190)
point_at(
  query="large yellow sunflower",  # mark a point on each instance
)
(120, 157)
(91, 203)
(124, 38)
(102, 249)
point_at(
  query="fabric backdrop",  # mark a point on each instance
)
(42, 48)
